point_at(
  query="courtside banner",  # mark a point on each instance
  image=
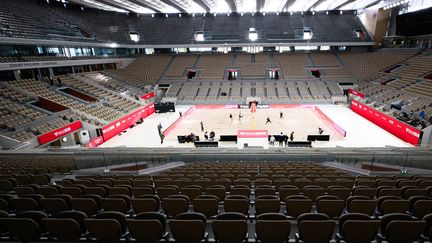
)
(400, 129)
(148, 96)
(58, 133)
(330, 122)
(252, 134)
(124, 123)
(357, 93)
(95, 142)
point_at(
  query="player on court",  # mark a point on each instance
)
(268, 120)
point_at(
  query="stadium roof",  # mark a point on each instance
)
(228, 6)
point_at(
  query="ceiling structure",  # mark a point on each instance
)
(226, 6)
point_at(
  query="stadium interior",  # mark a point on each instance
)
(79, 77)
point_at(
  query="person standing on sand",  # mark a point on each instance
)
(268, 120)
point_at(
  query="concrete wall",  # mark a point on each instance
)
(375, 22)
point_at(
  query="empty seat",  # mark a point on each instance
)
(339, 191)
(146, 203)
(400, 228)
(175, 204)
(237, 204)
(104, 230)
(361, 204)
(63, 229)
(267, 204)
(331, 206)
(206, 204)
(357, 228)
(25, 229)
(23, 204)
(115, 204)
(315, 228)
(86, 205)
(53, 206)
(189, 227)
(271, 227)
(230, 227)
(148, 227)
(297, 205)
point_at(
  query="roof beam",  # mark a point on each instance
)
(364, 3)
(289, 3)
(203, 5)
(177, 6)
(232, 5)
(343, 4)
(259, 5)
(310, 4)
(146, 5)
(317, 3)
(92, 5)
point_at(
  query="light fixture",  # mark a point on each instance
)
(253, 35)
(134, 36)
(199, 36)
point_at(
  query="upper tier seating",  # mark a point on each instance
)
(143, 71)
(27, 19)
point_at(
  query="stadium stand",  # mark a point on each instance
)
(143, 71)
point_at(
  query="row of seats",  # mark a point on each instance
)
(282, 90)
(111, 226)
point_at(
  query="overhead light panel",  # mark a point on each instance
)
(253, 35)
(134, 36)
(330, 5)
(160, 5)
(246, 6)
(189, 5)
(273, 5)
(98, 5)
(199, 36)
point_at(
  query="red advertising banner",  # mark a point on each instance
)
(95, 142)
(357, 93)
(148, 96)
(174, 124)
(124, 123)
(252, 134)
(58, 133)
(400, 129)
(330, 122)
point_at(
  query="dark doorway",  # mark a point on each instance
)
(316, 73)
(191, 74)
(274, 74)
(232, 74)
